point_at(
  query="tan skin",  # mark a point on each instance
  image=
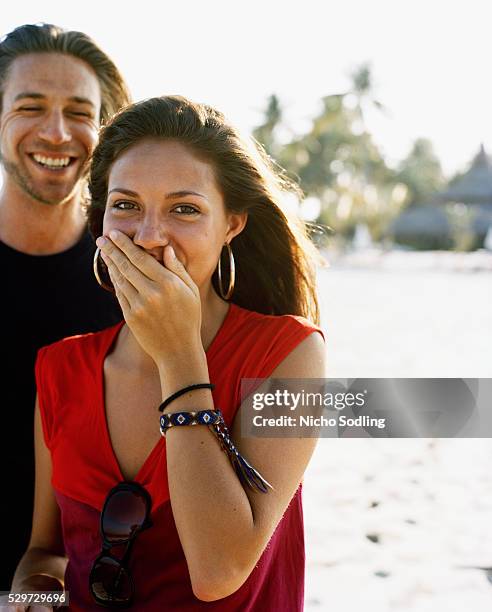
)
(161, 265)
(50, 108)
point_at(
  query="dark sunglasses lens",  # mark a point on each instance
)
(124, 513)
(110, 582)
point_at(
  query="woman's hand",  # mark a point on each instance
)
(160, 303)
(35, 584)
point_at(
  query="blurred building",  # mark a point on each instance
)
(474, 190)
(425, 227)
(463, 209)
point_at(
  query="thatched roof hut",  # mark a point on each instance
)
(430, 227)
(475, 186)
(425, 227)
(474, 189)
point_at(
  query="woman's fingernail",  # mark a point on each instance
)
(101, 241)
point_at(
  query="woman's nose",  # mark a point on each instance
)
(150, 235)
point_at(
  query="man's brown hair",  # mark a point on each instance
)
(48, 38)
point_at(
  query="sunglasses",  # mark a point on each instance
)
(126, 512)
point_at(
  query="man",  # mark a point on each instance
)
(56, 87)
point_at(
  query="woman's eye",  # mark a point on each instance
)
(124, 205)
(186, 210)
(30, 108)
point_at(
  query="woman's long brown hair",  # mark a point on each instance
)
(275, 259)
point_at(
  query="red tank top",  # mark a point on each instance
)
(69, 377)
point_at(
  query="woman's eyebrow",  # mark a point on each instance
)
(173, 194)
(127, 192)
(180, 194)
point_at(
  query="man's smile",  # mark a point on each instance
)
(52, 162)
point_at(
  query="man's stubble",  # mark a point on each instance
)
(23, 181)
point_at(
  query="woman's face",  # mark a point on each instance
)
(160, 193)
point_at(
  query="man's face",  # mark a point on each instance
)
(48, 125)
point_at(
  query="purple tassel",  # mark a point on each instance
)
(246, 472)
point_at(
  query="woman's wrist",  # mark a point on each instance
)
(182, 369)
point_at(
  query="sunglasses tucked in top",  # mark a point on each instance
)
(125, 514)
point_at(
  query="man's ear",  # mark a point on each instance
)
(236, 224)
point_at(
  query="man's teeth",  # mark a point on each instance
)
(52, 162)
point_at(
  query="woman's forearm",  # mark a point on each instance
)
(211, 510)
(40, 570)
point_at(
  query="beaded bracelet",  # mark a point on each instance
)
(215, 420)
(201, 417)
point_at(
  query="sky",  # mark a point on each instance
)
(430, 59)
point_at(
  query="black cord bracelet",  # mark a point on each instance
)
(181, 392)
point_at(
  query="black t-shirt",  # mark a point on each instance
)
(43, 299)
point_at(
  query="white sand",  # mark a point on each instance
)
(407, 315)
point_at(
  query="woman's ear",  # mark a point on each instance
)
(236, 224)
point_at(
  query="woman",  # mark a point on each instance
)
(215, 284)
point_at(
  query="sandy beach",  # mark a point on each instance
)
(401, 524)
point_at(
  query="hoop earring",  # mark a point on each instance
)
(232, 274)
(95, 267)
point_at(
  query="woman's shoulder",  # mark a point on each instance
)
(84, 344)
(261, 341)
(269, 324)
